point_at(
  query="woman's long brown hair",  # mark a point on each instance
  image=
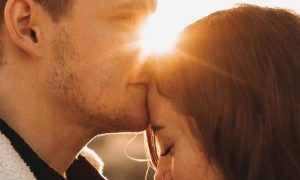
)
(237, 74)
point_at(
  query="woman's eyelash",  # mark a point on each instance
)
(167, 151)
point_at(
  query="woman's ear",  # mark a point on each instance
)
(20, 18)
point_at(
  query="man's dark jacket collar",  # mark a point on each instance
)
(80, 169)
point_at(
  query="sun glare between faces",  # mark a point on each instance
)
(157, 37)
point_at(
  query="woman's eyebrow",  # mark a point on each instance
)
(157, 128)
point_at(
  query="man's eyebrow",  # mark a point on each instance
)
(149, 5)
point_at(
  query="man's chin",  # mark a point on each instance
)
(140, 126)
(134, 124)
(119, 123)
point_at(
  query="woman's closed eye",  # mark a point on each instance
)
(164, 149)
(167, 151)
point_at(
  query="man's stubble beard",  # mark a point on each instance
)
(67, 87)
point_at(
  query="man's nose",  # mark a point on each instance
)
(142, 74)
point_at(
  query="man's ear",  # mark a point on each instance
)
(20, 18)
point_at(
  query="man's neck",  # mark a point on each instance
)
(53, 133)
(55, 142)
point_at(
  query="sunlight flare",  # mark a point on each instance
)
(158, 38)
(160, 33)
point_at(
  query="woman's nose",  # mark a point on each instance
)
(166, 176)
(163, 169)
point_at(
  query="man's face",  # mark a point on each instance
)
(95, 60)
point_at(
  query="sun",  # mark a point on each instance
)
(161, 31)
(157, 37)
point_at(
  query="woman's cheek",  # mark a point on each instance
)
(178, 167)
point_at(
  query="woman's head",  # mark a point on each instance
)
(235, 76)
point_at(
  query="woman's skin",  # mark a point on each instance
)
(181, 157)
